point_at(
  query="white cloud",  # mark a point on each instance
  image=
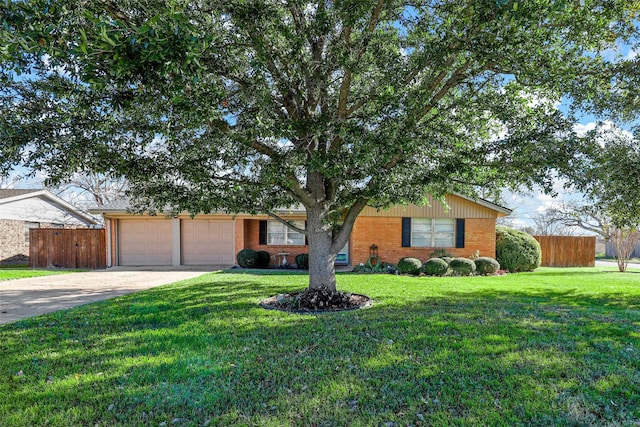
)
(618, 54)
(526, 205)
(582, 129)
(58, 69)
(604, 128)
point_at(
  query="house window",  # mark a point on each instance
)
(28, 226)
(433, 232)
(279, 234)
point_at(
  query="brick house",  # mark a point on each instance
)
(22, 210)
(466, 227)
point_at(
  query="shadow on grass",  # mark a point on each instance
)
(564, 272)
(203, 351)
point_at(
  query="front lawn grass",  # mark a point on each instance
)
(554, 347)
(22, 273)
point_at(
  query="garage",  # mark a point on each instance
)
(207, 242)
(144, 242)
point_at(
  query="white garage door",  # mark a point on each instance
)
(207, 242)
(144, 242)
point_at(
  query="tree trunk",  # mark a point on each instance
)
(322, 270)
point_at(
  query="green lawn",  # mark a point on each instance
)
(555, 347)
(21, 273)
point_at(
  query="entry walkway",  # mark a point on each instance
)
(33, 296)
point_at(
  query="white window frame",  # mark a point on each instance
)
(287, 232)
(431, 223)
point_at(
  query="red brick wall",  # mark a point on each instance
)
(252, 241)
(386, 232)
(480, 234)
(239, 230)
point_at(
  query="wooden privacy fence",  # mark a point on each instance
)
(67, 248)
(610, 251)
(568, 251)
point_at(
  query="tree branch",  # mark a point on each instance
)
(352, 214)
(113, 10)
(285, 222)
(451, 82)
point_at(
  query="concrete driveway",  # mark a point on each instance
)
(33, 296)
(613, 264)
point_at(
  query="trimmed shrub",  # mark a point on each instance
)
(517, 251)
(486, 265)
(247, 258)
(302, 260)
(462, 267)
(409, 266)
(264, 259)
(446, 259)
(435, 267)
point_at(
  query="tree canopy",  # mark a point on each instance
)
(610, 176)
(249, 105)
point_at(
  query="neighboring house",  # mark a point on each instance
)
(22, 210)
(467, 227)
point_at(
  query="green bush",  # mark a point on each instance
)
(264, 259)
(435, 267)
(302, 261)
(462, 267)
(409, 266)
(446, 259)
(486, 265)
(517, 251)
(247, 258)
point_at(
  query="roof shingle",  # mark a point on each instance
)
(5, 194)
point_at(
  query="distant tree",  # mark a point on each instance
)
(89, 189)
(624, 241)
(8, 181)
(248, 106)
(612, 184)
(546, 224)
(608, 176)
(580, 215)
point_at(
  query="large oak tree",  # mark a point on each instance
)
(250, 105)
(609, 177)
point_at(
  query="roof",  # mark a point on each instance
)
(120, 205)
(124, 206)
(10, 196)
(12, 192)
(486, 204)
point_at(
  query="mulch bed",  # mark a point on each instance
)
(312, 301)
